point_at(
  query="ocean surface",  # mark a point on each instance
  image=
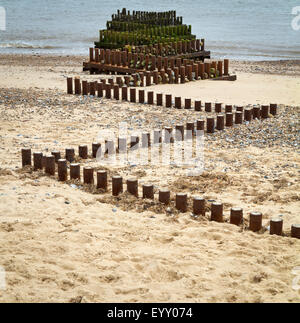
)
(238, 29)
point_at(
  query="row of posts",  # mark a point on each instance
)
(181, 199)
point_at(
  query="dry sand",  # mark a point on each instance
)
(61, 242)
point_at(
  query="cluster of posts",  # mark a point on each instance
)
(53, 162)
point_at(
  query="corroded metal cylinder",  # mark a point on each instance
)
(182, 74)
(240, 108)
(124, 93)
(273, 109)
(95, 147)
(210, 125)
(75, 171)
(229, 120)
(295, 231)
(77, 86)
(151, 97)
(188, 104)
(159, 99)
(255, 223)
(133, 95)
(220, 68)
(84, 88)
(248, 114)
(70, 154)
(56, 155)
(218, 107)
(200, 125)
(37, 160)
(116, 92)
(148, 191)
(83, 151)
(256, 112)
(197, 105)
(236, 216)
(181, 202)
(117, 185)
(70, 85)
(207, 106)
(148, 78)
(226, 66)
(217, 212)
(88, 175)
(178, 102)
(276, 226)
(92, 88)
(198, 206)
(164, 196)
(220, 122)
(26, 157)
(238, 117)
(132, 186)
(264, 111)
(141, 96)
(228, 108)
(108, 88)
(50, 165)
(62, 170)
(168, 100)
(102, 180)
(100, 90)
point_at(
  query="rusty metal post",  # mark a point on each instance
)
(56, 155)
(91, 54)
(132, 187)
(182, 74)
(178, 102)
(150, 98)
(276, 225)
(37, 160)
(255, 221)
(220, 68)
(77, 86)
(108, 91)
(256, 112)
(248, 115)
(116, 92)
(95, 148)
(240, 108)
(200, 125)
(228, 108)
(176, 74)
(197, 105)
(238, 117)
(133, 95)
(190, 72)
(141, 96)
(124, 93)
(188, 104)
(208, 107)
(181, 202)
(70, 85)
(100, 90)
(198, 206)
(264, 111)
(226, 66)
(217, 212)
(117, 185)
(164, 196)
(88, 175)
(201, 70)
(148, 78)
(229, 120)
(295, 231)
(236, 216)
(92, 88)
(168, 100)
(102, 180)
(83, 151)
(159, 99)
(220, 122)
(75, 171)
(218, 107)
(26, 157)
(210, 125)
(148, 191)
(62, 170)
(70, 154)
(50, 165)
(273, 109)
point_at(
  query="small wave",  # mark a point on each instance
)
(24, 45)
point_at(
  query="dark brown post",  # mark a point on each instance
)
(178, 102)
(102, 180)
(256, 112)
(155, 77)
(164, 196)
(108, 91)
(217, 212)
(84, 88)
(220, 122)
(200, 125)
(276, 225)
(182, 74)
(91, 54)
(198, 206)
(124, 93)
(141, 96)
(132, 187)
(62, 170)
(26, 157)
(100, 90)
(295, 231)
(181, 202)
(176, 73)
(50, 165)
(150, 97)
(210, 125)
(207, 69)
(188, 104)
(236, 216)
(148, 191)
(207, 106)
(56, 155)
(201, 70)
(83, 151)
(88, 175)
(218, 107)
(116, 92)
(264, 111)
(148, 78)
(226, 66)
(38, 160)
(77, 86)
(228, 108)
(95, 147)
(159, 99)
(238, 117)
(229, 119)
(70, 85)
(70, 154)
(92, 88)
(240, 108)
(273, 109)
(168, 100)
(248, 115)
(75, 171)
(255, 221)
(197, 105)
(133, 95)
(220, 68)
(190, 72)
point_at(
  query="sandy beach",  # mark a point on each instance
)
(67, 242)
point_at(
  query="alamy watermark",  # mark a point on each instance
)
(296, 280)
(178, 148)
(2, 19)
(296, 21)
(2, 278)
